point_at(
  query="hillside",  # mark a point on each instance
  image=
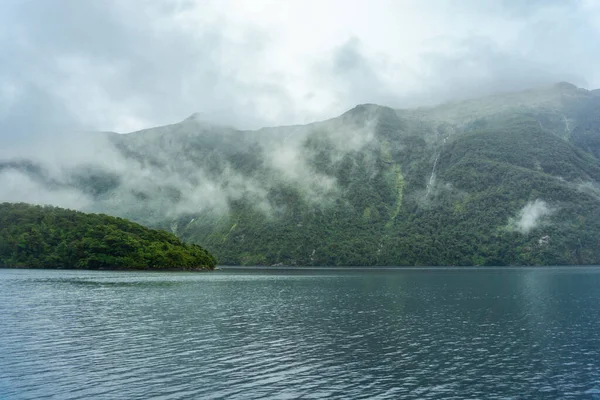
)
(49, 237)
(511, 179)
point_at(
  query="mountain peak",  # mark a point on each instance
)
(363, 111)
(196, 117)
(566, 86)
(203, 120)
(550, 96)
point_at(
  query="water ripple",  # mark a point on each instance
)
(493, 334)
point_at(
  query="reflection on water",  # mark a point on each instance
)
(489, 333)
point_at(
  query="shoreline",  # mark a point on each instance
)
(116, 269)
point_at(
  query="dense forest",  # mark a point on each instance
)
(50, 237)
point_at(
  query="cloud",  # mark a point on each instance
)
(112, 65)
(121, 66)
(531, 215)
(18, 187)
(460, 50)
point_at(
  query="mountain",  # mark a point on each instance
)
(511, 179)
(49, 237)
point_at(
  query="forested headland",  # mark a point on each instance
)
(34, 236)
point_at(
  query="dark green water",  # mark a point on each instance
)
(240, 334)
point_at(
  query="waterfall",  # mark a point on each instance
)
(432, 176)
(567, 127)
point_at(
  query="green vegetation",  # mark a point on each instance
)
(49, 237)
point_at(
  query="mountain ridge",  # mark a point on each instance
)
(556, 89)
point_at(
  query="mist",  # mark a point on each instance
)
(531, 216)
(189, 168)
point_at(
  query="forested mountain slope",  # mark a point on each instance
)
(506, 180)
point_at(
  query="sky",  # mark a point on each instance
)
(120, 66)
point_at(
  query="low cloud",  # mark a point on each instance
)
(531, 216)
(18, 187)
(186, 168)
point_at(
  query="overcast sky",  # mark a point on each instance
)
(126, 65)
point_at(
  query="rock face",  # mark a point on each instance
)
(467, 183)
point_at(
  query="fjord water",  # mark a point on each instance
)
(404, 333)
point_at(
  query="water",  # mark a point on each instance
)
(413, 334)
